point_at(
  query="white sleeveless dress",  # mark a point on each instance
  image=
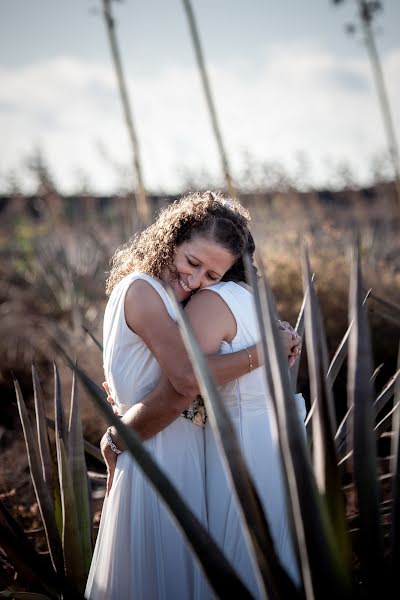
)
(246, 402)
(139, 553)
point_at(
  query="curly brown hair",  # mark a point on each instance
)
(210, 214)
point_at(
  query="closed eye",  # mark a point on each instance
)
(191, 263)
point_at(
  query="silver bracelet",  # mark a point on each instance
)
(111, 443)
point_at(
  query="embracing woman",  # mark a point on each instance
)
(139, 552)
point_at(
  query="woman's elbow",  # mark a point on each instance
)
(185, 384)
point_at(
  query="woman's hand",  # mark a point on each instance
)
(110, 458)
(291, 341)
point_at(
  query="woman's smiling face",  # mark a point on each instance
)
(198, 263)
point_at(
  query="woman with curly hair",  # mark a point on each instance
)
(139, 552)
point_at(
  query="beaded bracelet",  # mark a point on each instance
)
(111, 443)
(250, 359)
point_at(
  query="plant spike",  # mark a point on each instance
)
(363, 439)
(294, 371)
(59, 414)
(43, 436)
(395, 470)
(341, 352)
(386, 393)
(325, 459)
(42, 495)
(307, 510)
(77, 464)
(72, 548)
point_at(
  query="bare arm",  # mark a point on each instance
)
(212, 322)
(147, 316)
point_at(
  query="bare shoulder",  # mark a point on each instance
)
(206, 300)
(211, 317)
(143, 304)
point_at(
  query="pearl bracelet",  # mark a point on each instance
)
(111, 443)
(250, 359)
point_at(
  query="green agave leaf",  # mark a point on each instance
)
(76, 459)
(309, 517)
(272, 578)
(44, 500)
(73, 559)
(364, 440)
(42, 435)
(217, 569)
(324, 455)
(61, 427)
(395, 469)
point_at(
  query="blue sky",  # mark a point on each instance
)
(287, 81)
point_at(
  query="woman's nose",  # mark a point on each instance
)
(195, 280)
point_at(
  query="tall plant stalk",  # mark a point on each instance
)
(365, 15)
(142, 205)
(209, 98)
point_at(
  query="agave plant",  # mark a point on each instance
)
(338, 558)
(59, 476)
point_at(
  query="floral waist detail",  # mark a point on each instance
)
(196, 412)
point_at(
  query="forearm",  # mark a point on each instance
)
(156, 411)
(227, 367)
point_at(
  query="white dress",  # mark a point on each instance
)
(139, 553)
(246, 402)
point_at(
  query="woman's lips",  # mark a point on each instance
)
(183, 285)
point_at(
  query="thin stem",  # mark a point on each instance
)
(209, 99)
(142, 205)
(365, 19)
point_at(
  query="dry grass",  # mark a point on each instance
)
(52, 281)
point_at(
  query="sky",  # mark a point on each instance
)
(290, 88)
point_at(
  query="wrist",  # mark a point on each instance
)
(113, 440)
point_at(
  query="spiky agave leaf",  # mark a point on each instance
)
(77, 464)
(381, 401)
(271, 576)
(386, 393)
(312, 533)
(44, 500)
(325, 459)
(73, 559)
(395, 470)
(222, 578)
(42, 435)
(341, 352)
(364, 441)
(294, 371)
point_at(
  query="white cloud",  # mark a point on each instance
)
(302, 99)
